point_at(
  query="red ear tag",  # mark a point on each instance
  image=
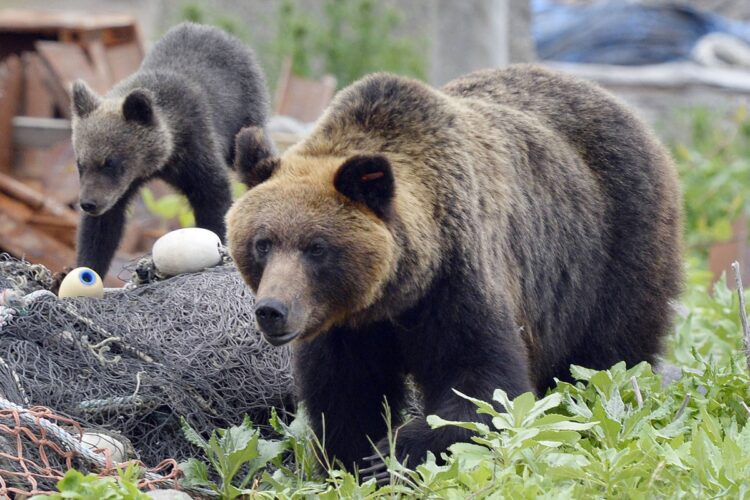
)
(372, 176)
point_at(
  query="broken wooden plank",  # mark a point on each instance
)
(123, 60)
(68, 62)
(116, 35)
(98, 56)
(34, 199)
(722, 254)
(62, 229)
(37, 102)
(11, 75)
(14, 208)
(36, 132)
(59, 178)
(51, 170)
(24, 241)
(51, 22)
(21, 192)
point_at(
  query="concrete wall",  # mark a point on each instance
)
(468, 35)
(475, 34)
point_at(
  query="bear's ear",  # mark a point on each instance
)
(84, 99)
(367, 179)
(255, 157)
(138, 107)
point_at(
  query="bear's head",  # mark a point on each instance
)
(117, 141)
(312, 237)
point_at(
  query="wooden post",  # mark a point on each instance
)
(721, 255)
(10, 94)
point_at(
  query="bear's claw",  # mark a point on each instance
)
(378, 470)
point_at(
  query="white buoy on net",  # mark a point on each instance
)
(186, 250)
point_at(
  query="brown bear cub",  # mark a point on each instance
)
(174, 119)
(481, 236)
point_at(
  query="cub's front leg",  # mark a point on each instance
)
(204, 180)
(99, 236)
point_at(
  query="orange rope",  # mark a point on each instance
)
(25, 471)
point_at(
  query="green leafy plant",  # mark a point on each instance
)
(238, 450)
(616, 433)
(352, 38)
(168, 207)
(714, 166)
(345, 38)
(195, 13)
(176, 206)
(90, 487)
(706, 329)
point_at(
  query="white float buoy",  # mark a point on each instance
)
(81, 282)
(186, 250)
(168, 495)
(95, 441)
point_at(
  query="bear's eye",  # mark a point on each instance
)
(317, 249)
(111, 164)
(263, 247)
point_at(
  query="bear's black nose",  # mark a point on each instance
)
(88, 206)
(271, 316)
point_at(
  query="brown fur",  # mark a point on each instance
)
(535, 223)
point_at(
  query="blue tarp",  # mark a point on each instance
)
(615, 32)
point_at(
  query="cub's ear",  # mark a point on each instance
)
(367, 179)
(84, 99)
(255, 158)
(139, 107)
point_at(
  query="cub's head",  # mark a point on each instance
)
(117, 141)
(311, 237)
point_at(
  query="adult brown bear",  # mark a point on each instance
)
(485, 235)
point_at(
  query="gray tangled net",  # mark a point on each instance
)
(138, 359)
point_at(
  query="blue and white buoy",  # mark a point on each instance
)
(81, 282)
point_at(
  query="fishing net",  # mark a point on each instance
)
(137, 360)
(37, 446)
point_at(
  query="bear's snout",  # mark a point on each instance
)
(271, 316)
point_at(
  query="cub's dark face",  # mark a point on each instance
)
(117, 141)
(313, 242)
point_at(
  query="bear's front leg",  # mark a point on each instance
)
(470, 344)
(99, 236)
(210, 204)
(343, 377)
(206, 185)
(414, 439)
